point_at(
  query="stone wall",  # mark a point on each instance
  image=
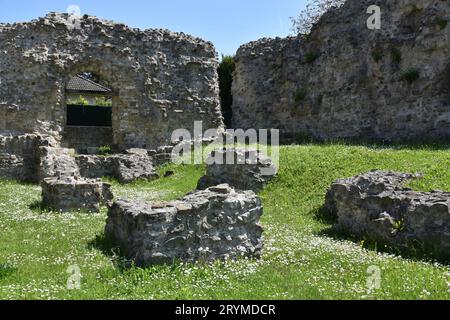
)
(243, 169)
(19, 156)
(65, 194)
(346, 81)
(161, 80)
(378, 206)
(81, 138)
(126, 168)
(216, 223)
(57, 162)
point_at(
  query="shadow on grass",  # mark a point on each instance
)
(413, 250)
(40, 207)
(6, 270)
(106, 247)
(323, 215)
(432, 145)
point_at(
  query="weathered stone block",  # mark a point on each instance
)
(377, 206)
(248, 170)
(70, 193)
(216, 223)
(57, 162)
(129, 168)
(126, 168)
(92, 166)
(19, 156)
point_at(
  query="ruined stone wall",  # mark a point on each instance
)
(162, 80)
(217, 223)
(377, 206)
(19, 156)
(81, 138)
(346, 81)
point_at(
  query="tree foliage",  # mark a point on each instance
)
(79, 101)
(303, 23)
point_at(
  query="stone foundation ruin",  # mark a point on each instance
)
(378, 207)
(216, 223)
(243, 169)
(71, 193)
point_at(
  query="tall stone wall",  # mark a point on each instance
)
(162, 81)
(346, 81)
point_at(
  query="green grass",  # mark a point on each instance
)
(299, 261)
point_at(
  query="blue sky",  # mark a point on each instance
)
(228, 24)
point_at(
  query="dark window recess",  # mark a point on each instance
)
(89, 116)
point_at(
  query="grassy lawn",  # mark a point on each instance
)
(300, 261)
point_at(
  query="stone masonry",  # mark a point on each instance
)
(126, 168)
(57, 162)
(243, 169)
(377, 206)
(216, 223)
(161, 80)
(346, 81)
(20, 157)
(71, 193)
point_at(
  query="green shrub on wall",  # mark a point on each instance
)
(79, 101)
(396, 55)
(411, 75)
(442, 23)
(300, 95)
(311, 57)
(377, 55)
(103, 102)
(105, 150)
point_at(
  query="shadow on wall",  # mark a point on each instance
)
(225, 70)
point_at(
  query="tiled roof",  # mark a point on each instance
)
(80, 84)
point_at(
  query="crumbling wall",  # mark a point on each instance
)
(346, 81)
(216, 223)
(162, 80)
(378, 206)
(19, 156)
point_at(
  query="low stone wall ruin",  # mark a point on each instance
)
(377, 206)
(125, 168)
(32, 158)
(216, 223)
(248, 170)
(19, 156)
(65, 194)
